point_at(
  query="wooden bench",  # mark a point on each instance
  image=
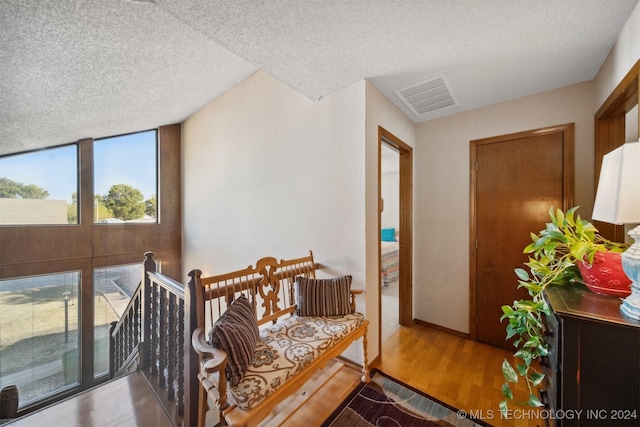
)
(292, 345)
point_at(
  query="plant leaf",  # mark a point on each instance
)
(508, 372)
(506, 309)
(522, 274)
(503, 408)
(536, 378)
(534, 401)
(506, 391)
(579, 250)
(569, 217)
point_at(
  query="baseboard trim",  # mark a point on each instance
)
(375, 363)
(441, 328)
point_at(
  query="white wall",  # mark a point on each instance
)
(390, 190)
(267, 172)
(441, 235)
(631, 130)
(624, 54)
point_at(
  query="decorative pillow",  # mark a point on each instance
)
(236, 332)
(323, 297)
(388, 234)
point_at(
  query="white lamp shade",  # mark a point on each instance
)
(618, 196)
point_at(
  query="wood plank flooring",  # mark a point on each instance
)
(462, 373)
(127, 401)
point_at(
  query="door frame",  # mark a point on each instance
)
(610, 134)
(405, 234)
(567, 197)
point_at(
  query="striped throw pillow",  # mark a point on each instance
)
(323, 297)
(236, 332)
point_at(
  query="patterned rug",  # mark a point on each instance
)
(386, 401)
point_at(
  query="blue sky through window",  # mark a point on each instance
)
(54, 170)
(127, 159)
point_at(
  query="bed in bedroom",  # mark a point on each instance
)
(389, 262)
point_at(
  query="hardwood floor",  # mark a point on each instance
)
(462, 373)
(127, 401)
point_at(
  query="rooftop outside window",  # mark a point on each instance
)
(40, 187)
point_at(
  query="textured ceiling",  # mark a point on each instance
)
(71, 69)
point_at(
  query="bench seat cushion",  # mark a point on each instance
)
(286, 348)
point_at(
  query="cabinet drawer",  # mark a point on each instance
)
(551, 364)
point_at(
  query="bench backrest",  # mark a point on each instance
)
(269, 286)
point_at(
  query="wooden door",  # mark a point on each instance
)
(516, 179)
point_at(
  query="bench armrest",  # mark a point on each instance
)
(214, 359)
(353, 293)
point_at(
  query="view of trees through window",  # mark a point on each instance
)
(125, 178)
(40, 187)
(40, 314)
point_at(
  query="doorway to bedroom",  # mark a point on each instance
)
(395, 224)
(389, 241)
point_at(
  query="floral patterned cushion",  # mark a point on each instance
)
(285, 349)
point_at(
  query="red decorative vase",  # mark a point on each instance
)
(605, 275)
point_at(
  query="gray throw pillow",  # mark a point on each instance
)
(323, 297)
(236, 332)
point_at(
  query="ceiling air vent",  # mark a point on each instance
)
(427, 96)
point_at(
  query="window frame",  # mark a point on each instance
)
(45, 249)
(77, 185)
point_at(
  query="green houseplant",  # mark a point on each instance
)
(553, 254)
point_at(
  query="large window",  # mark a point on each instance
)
(125, 178)
(40, 187)
(39, 334)
(54, 328)
(113, 288)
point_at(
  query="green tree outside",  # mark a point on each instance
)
(151, 206)
(122, 202)
(125, 202)
(100, 210)
(10, 189)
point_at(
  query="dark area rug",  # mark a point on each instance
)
(386, 401)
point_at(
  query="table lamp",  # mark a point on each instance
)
(618, 202)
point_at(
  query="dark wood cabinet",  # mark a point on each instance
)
(593, 369)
